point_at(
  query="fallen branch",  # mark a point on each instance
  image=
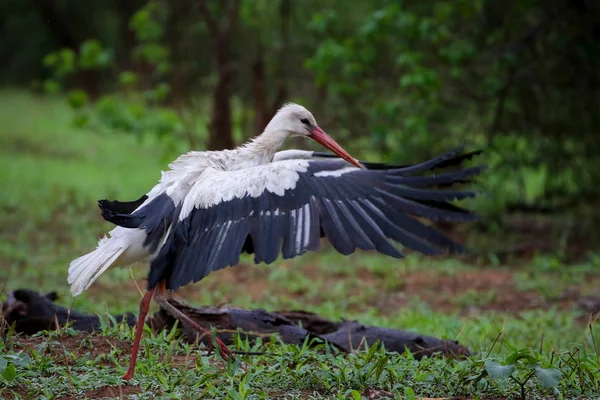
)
(351, 336)
(30, 312)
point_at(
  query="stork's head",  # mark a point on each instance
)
(295, 120)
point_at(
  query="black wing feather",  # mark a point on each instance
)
(334, 228)
(418, 229)
(120, 207)
(451, 160)
(374, 232)
(400, 234)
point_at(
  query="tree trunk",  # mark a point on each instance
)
(285, 10)
(259, 86)
(220, 135)
(127, 38)
(178, 38)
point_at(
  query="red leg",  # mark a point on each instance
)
(162, 300)
(139, 328)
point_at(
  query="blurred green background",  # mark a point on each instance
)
(95, 87)
(392, 80)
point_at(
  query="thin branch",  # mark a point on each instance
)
(232, 15)
(284, 34)
(516, 46)
(208, 18)
(502, 96)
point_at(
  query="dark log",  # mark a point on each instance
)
(228, 322)
(351, 336)
(589, 304)
(310, 321)
(31, 312)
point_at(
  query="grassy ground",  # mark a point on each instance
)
(522, 320)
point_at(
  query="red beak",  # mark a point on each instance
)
(326, 141)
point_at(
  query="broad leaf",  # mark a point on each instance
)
(20, 360)
(549, 377)
(409, 393)
(356, 395)
(10, 372)
(497, 370)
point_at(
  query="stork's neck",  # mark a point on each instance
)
(262, 148)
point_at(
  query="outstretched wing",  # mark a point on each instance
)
(287, 205)
(454, 158)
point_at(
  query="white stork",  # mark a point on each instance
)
(211, 206)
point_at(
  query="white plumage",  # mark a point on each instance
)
(202, 178)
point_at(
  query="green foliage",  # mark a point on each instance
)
(61, 62)
(549, 377)
(415, 79)
(385, 43)
(521, 367)
(77, 98)
(134, 108)
(93, 56)
(402, 81)
(9, 364)
(282, 370)
(498, 371)
(144, 23)
(147, 23)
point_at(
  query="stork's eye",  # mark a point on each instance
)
(305, 121)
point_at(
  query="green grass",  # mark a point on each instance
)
(52, 174)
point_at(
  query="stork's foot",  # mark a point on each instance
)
(224, 351)
(127, 376)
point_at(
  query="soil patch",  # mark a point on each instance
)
(119, 392)
(83, 344)
(464, 291)
(15, 392)
(467, 291)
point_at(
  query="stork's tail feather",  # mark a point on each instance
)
(84, 270)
